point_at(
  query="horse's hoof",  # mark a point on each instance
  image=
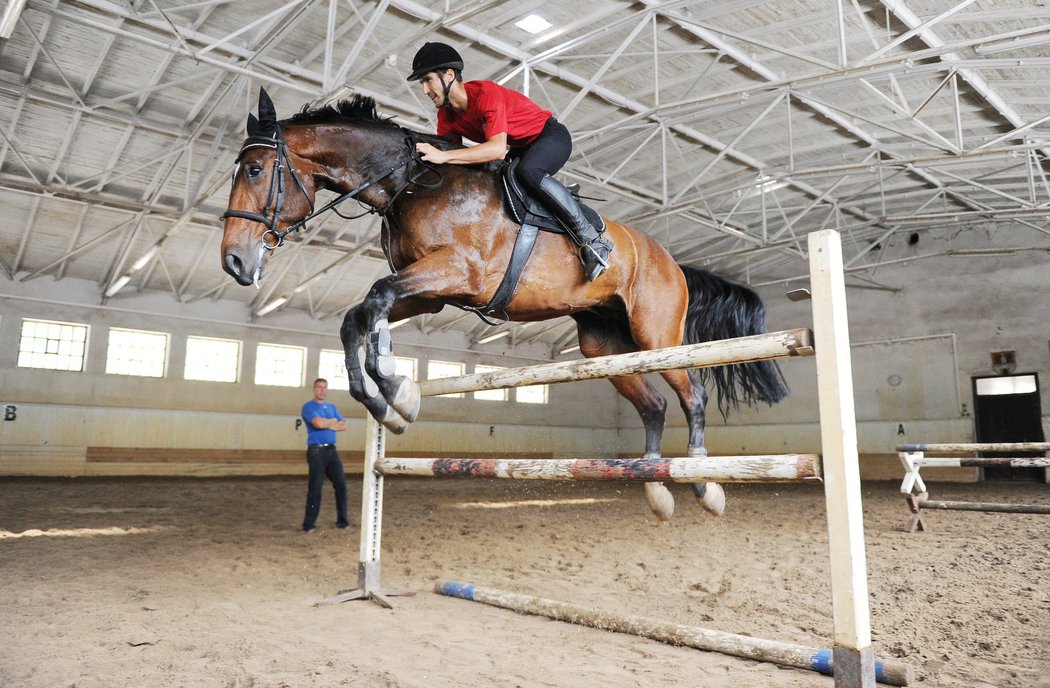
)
(712, 498)
(393, 421)
(406, 400)
(660, 500)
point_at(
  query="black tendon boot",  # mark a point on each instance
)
(594, 248)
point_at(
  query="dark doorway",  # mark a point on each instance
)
(1007, 408)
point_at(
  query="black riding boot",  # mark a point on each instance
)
(594, 248)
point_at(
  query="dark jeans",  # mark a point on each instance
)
(546, 155)
(324, 462)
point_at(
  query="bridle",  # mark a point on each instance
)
(281, 162)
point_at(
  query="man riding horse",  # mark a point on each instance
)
(500, 119)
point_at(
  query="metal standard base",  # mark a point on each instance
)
(368, 588)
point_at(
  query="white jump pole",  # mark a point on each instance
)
(853, 655)
(368, 568)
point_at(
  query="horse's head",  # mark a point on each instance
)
(272, 192)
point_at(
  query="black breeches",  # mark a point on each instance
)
(545, 155)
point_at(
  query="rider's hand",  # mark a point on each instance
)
(431, 154)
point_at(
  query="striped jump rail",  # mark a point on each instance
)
(913, 457)
(786, 468)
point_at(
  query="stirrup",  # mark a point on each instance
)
(593, 263)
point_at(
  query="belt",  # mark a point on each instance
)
(321, 445)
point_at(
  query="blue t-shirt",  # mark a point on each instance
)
(312, 409)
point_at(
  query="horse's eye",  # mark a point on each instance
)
(252, 171)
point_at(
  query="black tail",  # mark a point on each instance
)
(721, 309)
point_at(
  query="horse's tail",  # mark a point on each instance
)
(721, 309)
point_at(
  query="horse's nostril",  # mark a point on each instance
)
(234, 265)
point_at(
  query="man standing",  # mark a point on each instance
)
(322, 422)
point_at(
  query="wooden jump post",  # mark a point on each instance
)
(913, 458)
(821, 660)
(853, 659)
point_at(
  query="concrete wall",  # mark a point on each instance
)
(60, 415)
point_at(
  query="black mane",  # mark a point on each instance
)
(360, 110)
(353, 111)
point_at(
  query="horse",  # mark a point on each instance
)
(449, 239)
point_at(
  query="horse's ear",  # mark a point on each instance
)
(253, 125)
(267, 112)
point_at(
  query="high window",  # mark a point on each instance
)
(332, 367)
(279, 365)
(137, 352)
(406, 367)
(531, 394)
(52, 345)
(490, 394)
(214, 360)
(437, 370)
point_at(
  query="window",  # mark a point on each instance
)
(52, 345)
(490, 394)
(213, 360)
(406, 367)
(532, 394)
(136, 352)
(333, 368)
(278, 365)
(442, 369)
(1008, 384)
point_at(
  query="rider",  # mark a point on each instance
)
(500, 119)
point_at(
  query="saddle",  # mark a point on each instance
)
(524, 208)
(532, 216)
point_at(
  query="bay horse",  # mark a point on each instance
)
(448, 239)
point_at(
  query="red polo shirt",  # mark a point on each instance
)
(493, 109)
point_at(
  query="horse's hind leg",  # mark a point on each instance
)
(693, 398)
(599, 338)
(659, 325)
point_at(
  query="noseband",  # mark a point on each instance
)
(281, 162)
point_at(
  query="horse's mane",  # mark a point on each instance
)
(352, 111)
(360, 110)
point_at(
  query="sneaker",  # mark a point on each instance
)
(309, 529)
(342, 525)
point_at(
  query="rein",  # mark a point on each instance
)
(281, 162)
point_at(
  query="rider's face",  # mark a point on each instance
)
(434, 88)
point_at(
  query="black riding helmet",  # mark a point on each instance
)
(433, 57)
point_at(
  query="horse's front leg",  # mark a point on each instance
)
(391, 399)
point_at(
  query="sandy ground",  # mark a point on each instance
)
(162, 583)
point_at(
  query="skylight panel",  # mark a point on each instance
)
(533, 23)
